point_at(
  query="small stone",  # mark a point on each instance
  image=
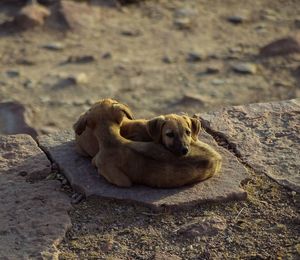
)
(195, 99)
(131, 32)
(31, 15)
(236, 19)
(208, 226)
(212, 70)
(294, 193)
(14, 119)
(78, 79)
(183, 23)
(81, 59)
(106, 56)
(13, 73)
(54, 46)
(185, 12)
(28, 84)
(217, 82)
(281, 46)
(167, 59)
(245, 68)
(194, 57)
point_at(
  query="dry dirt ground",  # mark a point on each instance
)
(141, 57)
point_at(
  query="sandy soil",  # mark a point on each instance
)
(141, 58)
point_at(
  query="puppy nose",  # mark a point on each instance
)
(184, 150)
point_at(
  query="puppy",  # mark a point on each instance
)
(123, 162)
(174, 132)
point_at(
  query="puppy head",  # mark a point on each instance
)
(106, 111)
(174, 132)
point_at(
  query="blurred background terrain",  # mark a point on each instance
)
(157, 56)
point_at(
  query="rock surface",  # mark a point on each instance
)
(266, 136)
(33, 216)
(14, 119)
(84, 178)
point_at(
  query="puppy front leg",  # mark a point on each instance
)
(115, 176)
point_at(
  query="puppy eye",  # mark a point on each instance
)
(171, 135)
(188, 132)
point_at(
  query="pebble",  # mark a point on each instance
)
(54, 46)
(13, 73)
(212, 70)
(236, 19)
(194, 57)
(185, 12)
(78, 79)
(131, 32)
(244, 68)
(81, 59)
(106, 55)
(166, 59)
(183, 23)
(217, 82)
(28, 84)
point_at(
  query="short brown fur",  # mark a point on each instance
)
(182, 129)
(123, 162)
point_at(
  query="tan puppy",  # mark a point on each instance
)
(123, 162)
(172, 131)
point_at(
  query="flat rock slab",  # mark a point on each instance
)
(33, 216)
(266, 136)
(84, 178)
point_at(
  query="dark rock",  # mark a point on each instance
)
(131, 32)
(14, 120)
(236, 19)
(81, 59)
(84, 179)
(266, 136)
(282, 46)
(194, 57)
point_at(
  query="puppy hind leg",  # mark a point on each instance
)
(115, 176)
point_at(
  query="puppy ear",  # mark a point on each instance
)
(80, 125)
(154, 128)
(127, 111)
(119, 116)
(195, 127)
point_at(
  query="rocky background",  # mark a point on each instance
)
(57, 57)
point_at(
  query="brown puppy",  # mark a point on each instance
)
(123, 162)
(172, 131)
